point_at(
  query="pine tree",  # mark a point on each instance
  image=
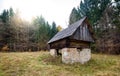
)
(74, 16)
(91, 8)
(7, 31)
(43, 32)
(5, 16)
(53, 29)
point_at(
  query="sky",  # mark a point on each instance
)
(51, 10)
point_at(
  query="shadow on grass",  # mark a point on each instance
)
(90, 67)
(48, 59)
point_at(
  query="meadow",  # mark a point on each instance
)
(42, 64)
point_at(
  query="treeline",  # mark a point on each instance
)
(17, 34)
(104, 16)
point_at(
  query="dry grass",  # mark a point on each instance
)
(42, 64)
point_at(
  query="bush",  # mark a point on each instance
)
(5, 48)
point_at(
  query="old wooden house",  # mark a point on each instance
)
(73, 42)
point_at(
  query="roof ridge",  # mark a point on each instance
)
(83, 18)
(68, 31)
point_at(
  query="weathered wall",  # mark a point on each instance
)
(58, 44)
(71, 55)
(85, 55)
(53, 52)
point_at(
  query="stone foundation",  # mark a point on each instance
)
(71, 55)
(53, 52)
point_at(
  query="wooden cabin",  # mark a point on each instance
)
(78, 35)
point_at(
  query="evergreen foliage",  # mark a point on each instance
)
(19, 35)
(104, 16)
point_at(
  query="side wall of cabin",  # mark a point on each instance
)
(58, 44)
(83, 33)
(79, 44)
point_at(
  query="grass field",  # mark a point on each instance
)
(42, 64)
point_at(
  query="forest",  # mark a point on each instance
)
(104, 16)
(24, 47)
(17, 34)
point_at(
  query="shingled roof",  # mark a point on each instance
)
(68, 31)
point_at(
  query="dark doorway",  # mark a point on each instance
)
(58, 52)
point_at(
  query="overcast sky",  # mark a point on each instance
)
(51, 10)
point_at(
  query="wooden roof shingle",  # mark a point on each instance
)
(68, 31)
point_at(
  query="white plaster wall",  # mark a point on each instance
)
(53, 52)
(71, 55)
(65, 55)
(85, 55)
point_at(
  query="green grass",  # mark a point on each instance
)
(42, 64)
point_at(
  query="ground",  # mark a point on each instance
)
(42, 64)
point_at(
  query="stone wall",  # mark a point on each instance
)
(85, 55)
(71, 55)
(53, 52)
